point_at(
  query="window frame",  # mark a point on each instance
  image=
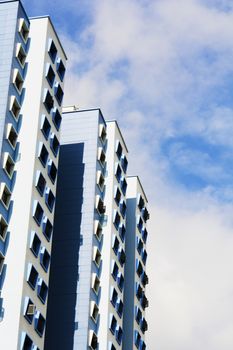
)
(14, 101)
(8, 159)
(4, 190)
(9, 128)
(34, 236)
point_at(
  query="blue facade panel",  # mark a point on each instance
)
(64, 270)
(129, 290)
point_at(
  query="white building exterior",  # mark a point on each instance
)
(77, 258)
(136, 279)
(14, 43)
(112, 281)
(34, 194)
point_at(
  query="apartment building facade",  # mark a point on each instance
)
(135, 301)
(31, 225)
(14, 43)
(76, 262)
(113, 274)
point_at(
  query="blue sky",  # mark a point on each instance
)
(164, 70)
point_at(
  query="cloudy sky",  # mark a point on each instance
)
(164, 70)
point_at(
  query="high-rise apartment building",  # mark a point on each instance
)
(113, 271)
(31, 225)
(76, 264)
(135, 300)
(14, 43)
(91, 246)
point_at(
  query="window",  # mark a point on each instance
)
(48, 101)
(119, 335)
(50, 75)
(102, 133)
(95, 283)
(96, 256)
(5, 195)
(23, 29)
(54, 144)
(117, 196)
(52, 50)
(119, 150)
(43, 154)
(44, 259)
(121, 257)
(98, 230)
(40, 183)
(139, 291)
(113, 324)
(117, 220)
(100, 180)
(116, 244)
(141, 202)
(101, 156)
(143, 345)
(122, 231)
(139, 268)
(114, 296)
(32, 276)
(14, 107)
(120, 307)
(93, 340)
(52, 171)
(123, 186)
(49, 199)
(3, 228)
(120, 281)
(111, 346)
(124, 163)
(29, 309)
(45, 127)
(115, 270)
(144, 325)
(18, 80)
(100, 207)
(42, 290)
(39, 323)
(2, 258)
(61, 69)
(35, 243)
(123, 208)
(58, 93)
(8, 164)
(57, 118)
(118, 172)
(138, 315)
(38, 212)
(26, 342)
(137, 339)
(144, 235)
(144, 256)
(20, 54)
(11, 135)
(145, 214)
(139, 245)
(47, 228)
(144, 301)
(94, 313)
(144, 279)
(140, 223)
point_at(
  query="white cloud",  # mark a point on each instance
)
(190, 266)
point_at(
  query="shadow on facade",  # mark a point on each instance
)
(60, 326)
